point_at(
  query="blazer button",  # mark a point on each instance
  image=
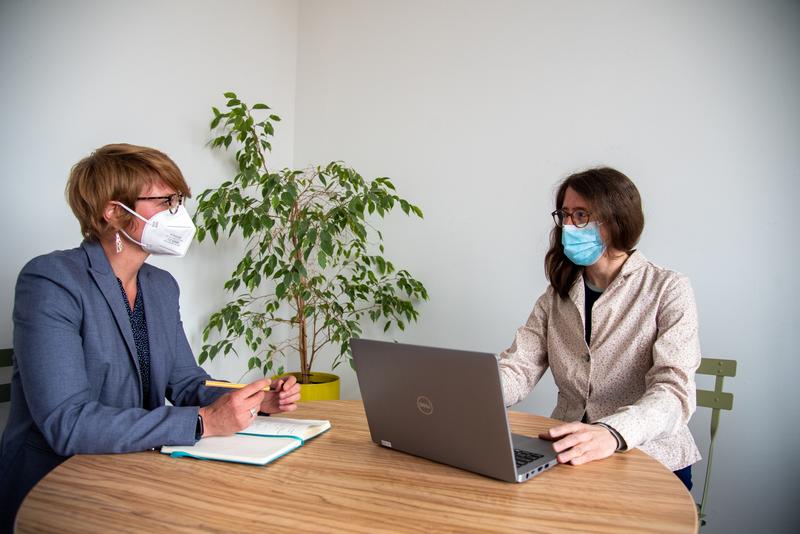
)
(588, 357)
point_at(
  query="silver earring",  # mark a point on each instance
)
(117, 242)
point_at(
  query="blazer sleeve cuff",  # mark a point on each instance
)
(186, 427)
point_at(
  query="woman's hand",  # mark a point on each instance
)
(284, 397)
(580, 443)
(234, 411)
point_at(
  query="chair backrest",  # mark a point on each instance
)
(6, 360)
(716, 400)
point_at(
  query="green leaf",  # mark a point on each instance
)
(280, 290)
(381, 264)
(325, 243)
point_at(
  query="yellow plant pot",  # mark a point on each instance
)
(323, 386)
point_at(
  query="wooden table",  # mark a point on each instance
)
(342, 482)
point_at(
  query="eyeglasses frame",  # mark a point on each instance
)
(569, 214)
(168, 199)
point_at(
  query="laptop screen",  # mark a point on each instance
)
(441, 404)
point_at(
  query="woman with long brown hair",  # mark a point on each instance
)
(618, 332)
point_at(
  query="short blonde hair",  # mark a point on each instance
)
(117, 172)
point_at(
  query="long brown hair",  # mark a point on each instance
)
(614, 201)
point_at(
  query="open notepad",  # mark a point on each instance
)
(266, 439)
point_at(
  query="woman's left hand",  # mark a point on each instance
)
(579, 443)
(284, 398)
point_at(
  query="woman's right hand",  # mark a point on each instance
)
(233, 411)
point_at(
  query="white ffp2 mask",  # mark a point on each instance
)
(165, 233)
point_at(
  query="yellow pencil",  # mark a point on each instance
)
(229, 385)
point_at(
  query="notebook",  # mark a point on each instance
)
(265, 440)
(444, 405)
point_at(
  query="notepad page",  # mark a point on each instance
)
(280, 426)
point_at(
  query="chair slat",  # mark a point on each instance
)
(716, 367)
(714, 400)
(6, 357)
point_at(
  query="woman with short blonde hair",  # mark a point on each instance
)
(98, 339)
(117, 172)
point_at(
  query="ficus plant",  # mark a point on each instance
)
(312, 260)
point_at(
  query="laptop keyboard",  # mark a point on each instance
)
(525, 457)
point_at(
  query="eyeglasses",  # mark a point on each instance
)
(174, 201)
(580, 218)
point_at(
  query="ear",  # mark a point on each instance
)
(112, 216)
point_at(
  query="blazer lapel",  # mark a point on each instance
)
(106, 281)
(578, 298)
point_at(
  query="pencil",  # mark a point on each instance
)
(229, 385)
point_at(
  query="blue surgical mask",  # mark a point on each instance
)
(583, 246)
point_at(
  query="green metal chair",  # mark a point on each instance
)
(716, 400)
(6, 360)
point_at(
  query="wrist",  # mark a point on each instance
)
(617, 443)
(614, 434)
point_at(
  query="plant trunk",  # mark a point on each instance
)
(305, 372)
(302, 346)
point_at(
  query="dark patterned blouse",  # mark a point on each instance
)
(139, 327)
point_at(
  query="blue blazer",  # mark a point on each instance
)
(76, 387)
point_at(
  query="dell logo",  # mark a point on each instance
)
(424, 405)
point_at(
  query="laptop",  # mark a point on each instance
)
(444, 405)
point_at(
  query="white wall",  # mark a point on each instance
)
(81, 74)
(476, 109)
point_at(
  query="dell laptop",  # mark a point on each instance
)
(444, 405)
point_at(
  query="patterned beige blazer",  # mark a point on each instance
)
(636, 376)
